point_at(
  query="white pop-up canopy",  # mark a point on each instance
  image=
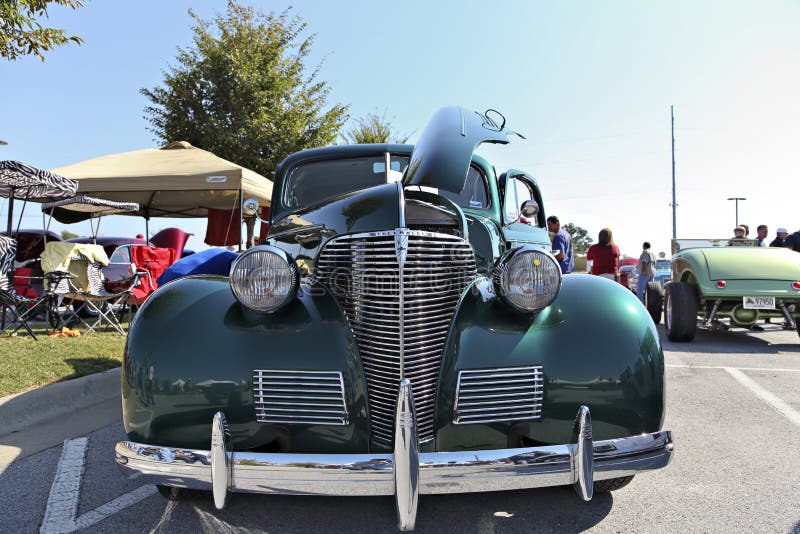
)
(177, 180)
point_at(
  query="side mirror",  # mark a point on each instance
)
(250, 208)
(530, 209)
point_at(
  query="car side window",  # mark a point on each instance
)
(122, 254)
(517, 192)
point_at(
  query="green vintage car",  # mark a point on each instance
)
(403, 330)
(734, 279)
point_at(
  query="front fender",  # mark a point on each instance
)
(596, 343)
(191, 352)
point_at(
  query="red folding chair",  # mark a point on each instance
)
(154, 261)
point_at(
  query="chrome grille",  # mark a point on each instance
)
(310, 397)
(500, 394)
(399, 290)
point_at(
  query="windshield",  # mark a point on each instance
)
(313, 182)
(662, 265)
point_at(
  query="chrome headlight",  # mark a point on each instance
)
(263, 278)
(528, 279)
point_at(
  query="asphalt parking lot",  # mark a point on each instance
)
(733, 405)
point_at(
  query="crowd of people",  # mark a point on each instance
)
(602, 258)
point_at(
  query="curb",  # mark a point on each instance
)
(28, 408)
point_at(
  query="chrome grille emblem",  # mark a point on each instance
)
(399, 290)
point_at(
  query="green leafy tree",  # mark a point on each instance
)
(21, 34)
(66, 234)
(580, 238)
(242, 91)
(373, 128)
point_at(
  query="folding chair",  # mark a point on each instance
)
(153, 261)
(96, 298)
(74, 274)
(20, 309)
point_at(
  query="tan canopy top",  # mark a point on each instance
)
(177, 180)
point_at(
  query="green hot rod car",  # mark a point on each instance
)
(402, 331)
(733, 279)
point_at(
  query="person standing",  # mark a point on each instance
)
(604, 256)
(781, 237)
(646, 269)
(761, 232)
(562, 243)
(793, 241)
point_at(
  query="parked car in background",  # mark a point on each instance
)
(109, 243)
(624, 275)
(401, 332)
(712, 281)
(626, 265)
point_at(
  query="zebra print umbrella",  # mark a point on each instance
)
(20, 181)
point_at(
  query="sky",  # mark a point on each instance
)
(590, 85)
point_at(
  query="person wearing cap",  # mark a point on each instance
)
(793, 241)
(781, 237)
(562, 245)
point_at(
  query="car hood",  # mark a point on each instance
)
(444, 151)
(738, 263)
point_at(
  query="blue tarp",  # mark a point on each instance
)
(211, 261)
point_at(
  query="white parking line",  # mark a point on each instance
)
(62, 505)
(729, 367)
(787, 411)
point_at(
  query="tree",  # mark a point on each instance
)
(373, 128)
(580, 238)
(242, 91)
(21, 34)
(66, 234)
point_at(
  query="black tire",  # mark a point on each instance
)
(680, 311)
(612, 484)
(654, 300)
(172, 493)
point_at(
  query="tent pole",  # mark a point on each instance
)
(241, 217)
(147, 229)
(10, 213)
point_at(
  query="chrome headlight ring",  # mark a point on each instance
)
(264, 278)
(528, 279)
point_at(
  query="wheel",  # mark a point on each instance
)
(612, 484)
(680, 311)
(171, 493)
(654, 300)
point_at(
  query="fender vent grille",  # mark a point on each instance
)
(500, 394)
(301, 397)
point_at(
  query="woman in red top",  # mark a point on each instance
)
(604, 256)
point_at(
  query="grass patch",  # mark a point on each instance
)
(26, 364)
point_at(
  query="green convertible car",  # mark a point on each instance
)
(404, 330)
(726, 279)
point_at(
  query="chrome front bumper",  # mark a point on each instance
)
(406, 473)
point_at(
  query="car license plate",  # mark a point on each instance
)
(759, 303)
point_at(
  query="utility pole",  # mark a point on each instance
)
(737, 199)
(672, 129)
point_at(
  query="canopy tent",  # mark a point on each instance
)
(177, 180)
(23, 182)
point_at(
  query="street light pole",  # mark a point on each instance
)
(737, 199)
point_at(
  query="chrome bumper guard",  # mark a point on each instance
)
(404, 474)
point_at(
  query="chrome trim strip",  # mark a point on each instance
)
(584, 455)
(406, 458)
(220, 468)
